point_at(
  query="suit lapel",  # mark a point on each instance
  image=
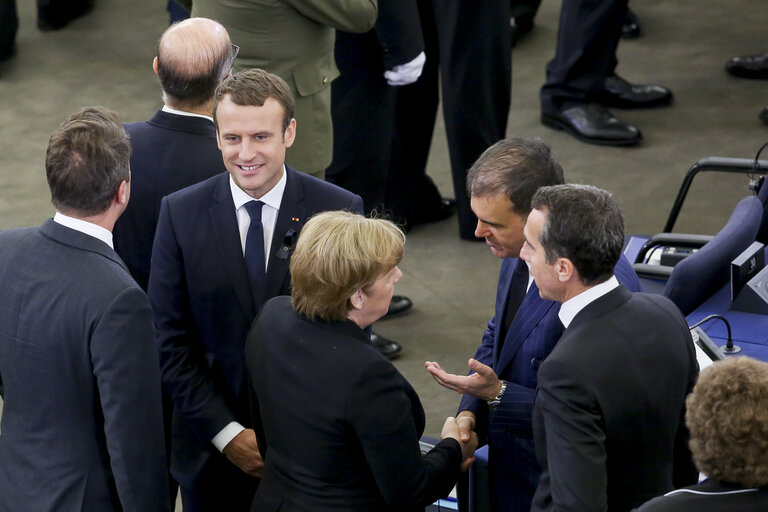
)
(531, 311)
(223, 221)
(290, 219)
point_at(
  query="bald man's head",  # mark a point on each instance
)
(193, 56)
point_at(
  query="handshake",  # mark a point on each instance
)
(462, 429)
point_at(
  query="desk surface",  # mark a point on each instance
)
(749, 330)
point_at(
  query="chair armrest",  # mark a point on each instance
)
(646, 271)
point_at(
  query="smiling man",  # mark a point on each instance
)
(499, 392)
(222, 249)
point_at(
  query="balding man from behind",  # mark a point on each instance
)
(177, 146)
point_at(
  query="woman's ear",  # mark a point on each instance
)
(357, 299)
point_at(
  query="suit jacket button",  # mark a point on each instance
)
(325, 80)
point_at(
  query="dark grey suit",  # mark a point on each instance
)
(79, 375)
(608, 418)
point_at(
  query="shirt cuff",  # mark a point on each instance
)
(226, 434)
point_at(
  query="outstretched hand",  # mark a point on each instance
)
(483, 384)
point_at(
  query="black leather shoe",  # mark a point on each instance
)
(764, 115)
(444, 209)
(594, 124)
(388, 348)
(399, 304)
(54, 19)
(619, 93)
(749, 66)
(630, 28)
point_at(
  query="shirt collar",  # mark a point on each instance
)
(572, 306)
(89, 228)
(272, 198)
(171, 110)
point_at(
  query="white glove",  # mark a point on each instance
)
(407, 73)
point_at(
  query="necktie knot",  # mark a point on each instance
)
(254, 210)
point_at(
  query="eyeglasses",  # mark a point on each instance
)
(235, 51)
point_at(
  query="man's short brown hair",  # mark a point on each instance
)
(253, 87)
(88, 157)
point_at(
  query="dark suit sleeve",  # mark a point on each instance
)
(348, 15)
(575, 441)
(125, 367)
(186, 376)
(380, 412)
(398, 31)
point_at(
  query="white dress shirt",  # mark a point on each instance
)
(89, 228)
(171, 110)
(269, 211)
(572, 306)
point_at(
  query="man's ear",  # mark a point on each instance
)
(123, 193)
(154, 65)
(565, 269)
(357, 299)
(290, 134)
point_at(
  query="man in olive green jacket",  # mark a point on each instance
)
(294, 39)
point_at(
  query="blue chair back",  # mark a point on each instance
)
(701, 274)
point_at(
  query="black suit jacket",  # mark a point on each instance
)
(608, 419)
(82, 428)
(340, 424)
(170, 152)
(203, 307)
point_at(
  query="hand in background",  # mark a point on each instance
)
(483, 384)
(243, 452)
(457, 428)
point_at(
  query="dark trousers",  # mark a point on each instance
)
(220, 486)
(587, 38)
(9, 25)
(363, 112)
(468, 47)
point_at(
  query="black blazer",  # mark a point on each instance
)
(203, 306)
(82, 428)
(339, 425)
(170, 152)
(710, 496)
(608, 420)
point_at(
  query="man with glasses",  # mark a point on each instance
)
(177, 146)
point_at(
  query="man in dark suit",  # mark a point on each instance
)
(524, 328)
(582, 80)
(608, 421)
(213, 244)
(81, 425)
(177, 147)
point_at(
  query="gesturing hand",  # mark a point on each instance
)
(483, 384)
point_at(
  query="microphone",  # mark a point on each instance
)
(729, 348)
